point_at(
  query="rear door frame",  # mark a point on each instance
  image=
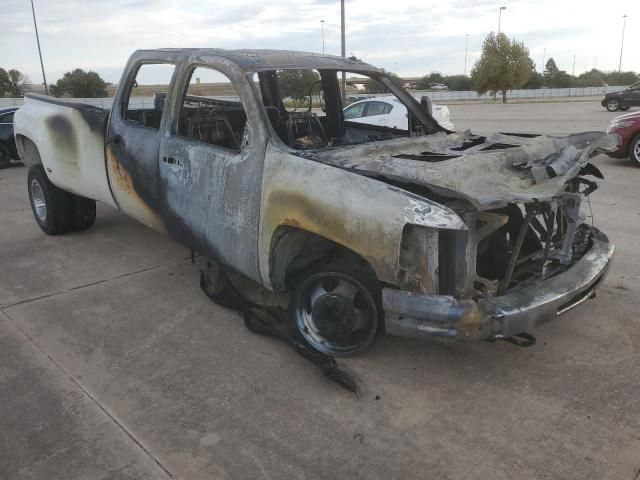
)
(212, 195)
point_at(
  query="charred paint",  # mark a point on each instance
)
(64, 136)
(451, 188)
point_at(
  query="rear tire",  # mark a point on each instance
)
(84, 212)
(5, 156)
(57, 211)
(613, 105)
(634, 150)
(51, 206)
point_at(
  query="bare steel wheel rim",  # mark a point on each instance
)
(613, 104)
(39, 202)
(335, 313)
(636, 151)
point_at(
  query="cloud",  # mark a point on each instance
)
(416, 36)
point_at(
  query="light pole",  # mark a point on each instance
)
(343, 51)
(322, 24)
(500, 18)
(544, 54)
(624, 24)
(573, 71)
(466, 50)
(395, 68)
(33, 11)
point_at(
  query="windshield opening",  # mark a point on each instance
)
(306, 110)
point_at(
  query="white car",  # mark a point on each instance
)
(438, 86)
(390, 112)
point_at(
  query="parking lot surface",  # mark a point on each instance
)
(114, 364)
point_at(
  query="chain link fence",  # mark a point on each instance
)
(441, 96)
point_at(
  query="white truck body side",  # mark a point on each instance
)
(70, 146)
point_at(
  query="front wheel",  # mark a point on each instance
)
(337, 308)
(634, 149)
(613, 105)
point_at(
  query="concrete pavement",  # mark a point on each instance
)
(113, 364)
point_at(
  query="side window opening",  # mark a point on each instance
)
(306, 110)
(145, 103)
(355, 111)
(376, 108)
(211, 110)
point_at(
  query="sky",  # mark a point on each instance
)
(411, 38)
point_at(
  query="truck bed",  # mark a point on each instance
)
(70, 139)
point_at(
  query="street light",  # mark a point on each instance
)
(466, 50)
(500, 17)
(624, 23)
(343, 51)
(395, 68)
(544, 54)
(322, 24)
(573, 71)
(46, 88)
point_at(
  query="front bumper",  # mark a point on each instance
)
(410, 314)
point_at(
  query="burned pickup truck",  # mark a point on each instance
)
(420, 232)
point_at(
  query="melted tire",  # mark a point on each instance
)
(369, 298)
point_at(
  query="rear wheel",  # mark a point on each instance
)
(55, 210)
(634, 149)
(84, 212)
(337, 307)
(51, 206)
(613, 104)
(5, 156)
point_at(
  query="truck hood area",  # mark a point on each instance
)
(489, 172)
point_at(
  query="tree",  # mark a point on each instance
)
(425, 82)
(4, 82)
(458, 82)
(592, 78)
(550, 68)
(621, 78)
(374, 86)
(296, 84)
(503, 65)
(562, 80)
(556, 78)
(12, 82)
(536, 80)
(80, 84)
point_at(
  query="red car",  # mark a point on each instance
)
(628, 127)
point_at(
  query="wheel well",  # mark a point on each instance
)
(28, 151)
(631, 144)
(293, 249)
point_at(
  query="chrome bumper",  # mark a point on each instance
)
(410, 314)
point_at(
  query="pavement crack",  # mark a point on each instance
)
(98, 282)
(92, 399)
